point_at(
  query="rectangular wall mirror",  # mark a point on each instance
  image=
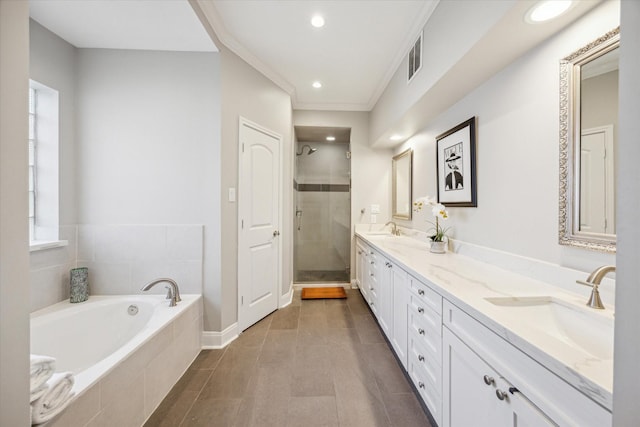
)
(402, 183)
(588, 140)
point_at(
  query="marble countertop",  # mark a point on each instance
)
(467, 283)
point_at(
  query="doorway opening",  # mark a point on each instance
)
(322, 197)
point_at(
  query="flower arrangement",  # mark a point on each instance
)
(439, 211)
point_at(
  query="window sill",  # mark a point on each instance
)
(41, 245)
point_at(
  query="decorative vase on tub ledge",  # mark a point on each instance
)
(79, 281)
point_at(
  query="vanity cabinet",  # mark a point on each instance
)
(493, 382)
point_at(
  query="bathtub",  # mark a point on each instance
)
(126, 352)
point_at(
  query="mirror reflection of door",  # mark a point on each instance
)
(598, 124)
(597, 181)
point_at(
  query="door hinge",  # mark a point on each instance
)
(242, 224)
(243, 147)
(242, 300)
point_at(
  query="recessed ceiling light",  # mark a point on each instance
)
(317, 85)
(317, 21)
(395, 137)
(546, 10)
(331, 138)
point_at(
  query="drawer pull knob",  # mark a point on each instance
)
(421, 358)
(421, 384)
(420, 292)
(489, 380)
(501, 395)
(371, 262)
(421, 331)
(371, 303)
(371, 289)
(390, 265)
(371, 252)
(420, 310)
(371, 274)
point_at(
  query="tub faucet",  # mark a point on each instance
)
(173, 294)
(394, 230)
(594, 280)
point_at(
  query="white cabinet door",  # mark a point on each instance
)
(526, 414)
(399, 327)
(469, 388)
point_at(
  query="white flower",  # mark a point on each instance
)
(440, 211)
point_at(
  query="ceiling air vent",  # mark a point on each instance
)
(415, 58)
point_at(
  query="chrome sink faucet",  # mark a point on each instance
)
(173, 293)
(594, 280)
(395, 231)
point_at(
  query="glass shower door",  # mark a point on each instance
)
(322, 189)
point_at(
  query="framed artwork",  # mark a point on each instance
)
(456, 165)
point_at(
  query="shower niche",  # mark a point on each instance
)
(322, 196)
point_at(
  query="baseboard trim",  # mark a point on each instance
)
(298, 286)
(212, 340)
(287, 298)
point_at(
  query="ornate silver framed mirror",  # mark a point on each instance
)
(588, 140)
(401, 189)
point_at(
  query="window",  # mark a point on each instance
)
(415, 58)
(43, 166)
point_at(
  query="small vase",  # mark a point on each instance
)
(438, 247)
(79, 284)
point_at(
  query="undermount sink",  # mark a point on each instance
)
(576, 326)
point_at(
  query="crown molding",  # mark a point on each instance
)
(216, 24)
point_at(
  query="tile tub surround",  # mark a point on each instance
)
(316, 362)
(129, 393)
(467, 282)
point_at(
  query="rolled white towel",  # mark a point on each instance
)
(39, 392)
(55, 399)
(42, 367)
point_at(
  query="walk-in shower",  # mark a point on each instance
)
(322, 189)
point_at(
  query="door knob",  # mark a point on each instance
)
(276, 233)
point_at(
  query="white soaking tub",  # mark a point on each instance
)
(126, 352)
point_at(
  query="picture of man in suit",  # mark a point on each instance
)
(454, 179)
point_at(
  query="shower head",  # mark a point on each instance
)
(311, 150)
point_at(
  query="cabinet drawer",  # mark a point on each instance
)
(428, 338)
(429, 394)
(424, 358)
(428, 318)
(426, 295)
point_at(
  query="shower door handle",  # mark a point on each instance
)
(276, 233)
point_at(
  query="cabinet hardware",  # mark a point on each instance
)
(421, 331)
(371, 274)
(421, 358)
(421, 384)
(371, 289)
(420, 310)
(371, 252)
(488, 380)
(371, 303)
(513, 390)
(501, 395)
(371, 262)
(390, 265)
(420, 292)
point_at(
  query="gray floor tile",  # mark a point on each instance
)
(314, 363)
(312, 412)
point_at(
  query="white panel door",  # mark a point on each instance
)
(259, 218)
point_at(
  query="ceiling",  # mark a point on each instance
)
(354, 55)
(341, 135)
(124, 24)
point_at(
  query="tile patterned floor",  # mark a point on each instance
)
(313, 363)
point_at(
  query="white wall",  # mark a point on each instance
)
(247, 93)
(149, 154)
(461, 25)
(517, 153)
(626, 378)
(370, 168)
(14, 234)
